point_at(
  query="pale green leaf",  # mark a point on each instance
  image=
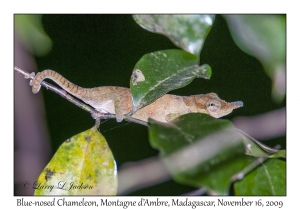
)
(264, 37)
(30, 30)
(186, 31)
(82, 165)
(279, 154)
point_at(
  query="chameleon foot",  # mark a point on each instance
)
(97, 123)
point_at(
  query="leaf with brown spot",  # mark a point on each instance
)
(85, 161)
(165, 70)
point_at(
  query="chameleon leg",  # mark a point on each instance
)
(118, 109)
(97, 123)
(116, 101)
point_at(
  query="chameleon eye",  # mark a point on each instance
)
(213, 106)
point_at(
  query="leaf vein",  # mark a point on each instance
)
(269, 179)
(166, 79)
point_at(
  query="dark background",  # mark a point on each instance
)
(101, 50)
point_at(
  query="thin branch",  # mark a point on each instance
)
(265, 126)
(240, 175)
(264, 147)
(197, 192)
(78, 103)
(142, 174)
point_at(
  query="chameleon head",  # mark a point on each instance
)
(214, 106)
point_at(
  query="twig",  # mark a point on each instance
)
(265, 126)
(197, 192)
(78, 103)
(261, 145)
(142, 174)
(240, 175)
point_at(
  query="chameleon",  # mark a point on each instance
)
(118, 100)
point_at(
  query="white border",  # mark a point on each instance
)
(8, 8)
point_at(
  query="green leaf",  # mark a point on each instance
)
(84, 160)
(200, 151)
(279, 154)
(30, 30)
(186, 31)
(268, 179)
(163, 71)
(255, 148)
(263, 36)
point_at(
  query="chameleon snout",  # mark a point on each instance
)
(236, 104)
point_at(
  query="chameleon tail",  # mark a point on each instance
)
(57, 78)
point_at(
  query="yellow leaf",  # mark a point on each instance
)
(82, 165)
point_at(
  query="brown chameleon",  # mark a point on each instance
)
(118, 100)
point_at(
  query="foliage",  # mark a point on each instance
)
(263, 36)
(269, 179)
(186, 31)
(208, 157)
(30, 30)
(194, 157)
